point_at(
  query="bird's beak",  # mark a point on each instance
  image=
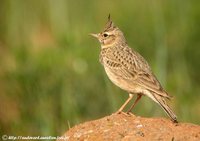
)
(94, 35)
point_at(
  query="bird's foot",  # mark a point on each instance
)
(123, 113)
(130, 114)
(118, 112)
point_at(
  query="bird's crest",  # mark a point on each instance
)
(109, 25)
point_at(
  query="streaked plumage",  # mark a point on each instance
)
(128, 69)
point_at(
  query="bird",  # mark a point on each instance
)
(128, 70)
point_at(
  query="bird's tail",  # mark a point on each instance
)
(162, 102)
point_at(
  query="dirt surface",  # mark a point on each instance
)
(123, 127)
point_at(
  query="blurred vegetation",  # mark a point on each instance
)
(50, 76)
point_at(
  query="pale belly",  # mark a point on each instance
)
(128, 85)
(120, 82)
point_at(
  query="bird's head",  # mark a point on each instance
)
(110, 36)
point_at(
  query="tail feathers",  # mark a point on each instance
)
(161, 101)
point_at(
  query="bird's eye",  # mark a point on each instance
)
(105, 35)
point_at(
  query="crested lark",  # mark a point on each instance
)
(129, 70)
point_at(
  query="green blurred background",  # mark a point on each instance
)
(50, 76)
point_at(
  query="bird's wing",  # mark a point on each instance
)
(143, 74)
(149, 81)
(130, 65)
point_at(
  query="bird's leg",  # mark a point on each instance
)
(124, 105)
(138, 98)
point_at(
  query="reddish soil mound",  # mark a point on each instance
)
(123, 127)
